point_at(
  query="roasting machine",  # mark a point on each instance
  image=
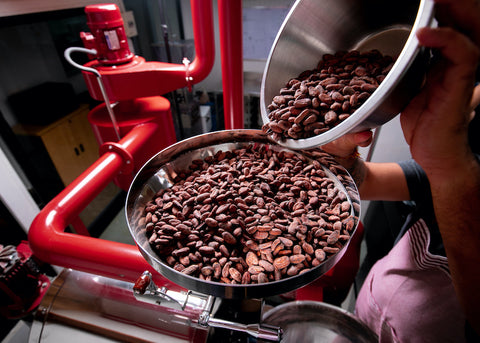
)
(109, 291)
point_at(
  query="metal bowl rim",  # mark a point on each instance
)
(164, 269)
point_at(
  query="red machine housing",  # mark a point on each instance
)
(127, 77)
(134, 86)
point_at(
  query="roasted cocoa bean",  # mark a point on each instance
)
(281, 262)
(229, 238)
(235, 275)
(190, 269)
(262, 278)
(266, 265)
(251, 258)
(297, 258)
(255, 269)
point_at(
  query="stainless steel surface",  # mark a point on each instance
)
(81, 307)
(265, 333)
(172, 299)
(180, 300)
(310, 322)
(316, 27)
(158, 173)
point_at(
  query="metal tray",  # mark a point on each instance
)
(158, 173)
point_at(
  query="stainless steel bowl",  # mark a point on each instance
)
(161, 169)
(316, 27)
(311, 321)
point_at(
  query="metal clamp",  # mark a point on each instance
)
(118, 149)
(188, 78)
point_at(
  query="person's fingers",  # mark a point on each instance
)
(437, 117)
(456, 48)
(449, 83)
(347, 144)
(475, 98)
(363, 138)
(461, 15)
(459, 65)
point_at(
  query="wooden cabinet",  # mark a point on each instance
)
(69, 142)
(57, 154)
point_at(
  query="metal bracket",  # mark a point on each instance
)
(145, 290)
(188, 78)
(118, 149)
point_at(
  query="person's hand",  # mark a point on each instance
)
(435, 122)
(347, 144)
(344, 149)
(475, 101)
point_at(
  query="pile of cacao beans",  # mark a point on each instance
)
(320, 99)
(250, 215)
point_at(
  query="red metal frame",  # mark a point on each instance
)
(49, 241)
(47, 237)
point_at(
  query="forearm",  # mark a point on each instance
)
(456, 200)
(379, 181)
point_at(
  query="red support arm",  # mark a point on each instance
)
(51, 244)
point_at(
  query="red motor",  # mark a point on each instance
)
(108, 34)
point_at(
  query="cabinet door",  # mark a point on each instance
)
(71, 145)
(86, 143)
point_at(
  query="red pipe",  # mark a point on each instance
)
(49, 241)
(138, 78)
(231, 50)
(203, 36)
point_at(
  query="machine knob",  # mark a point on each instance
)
(142, 283)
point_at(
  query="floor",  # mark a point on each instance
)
(117, 230)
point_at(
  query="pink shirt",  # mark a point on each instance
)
(408, 295)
